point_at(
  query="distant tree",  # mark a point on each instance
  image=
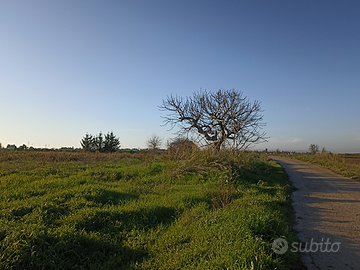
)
(101, 143)
(23, 147)
(87, 143)
(313, 148)
(223, 116)
(154, 142)
(111, 143)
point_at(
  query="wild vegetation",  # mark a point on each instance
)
(200, 209)
(344, 164)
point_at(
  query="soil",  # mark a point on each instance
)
(327, 215)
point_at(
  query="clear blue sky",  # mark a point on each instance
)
(71, 67)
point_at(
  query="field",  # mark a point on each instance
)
(344, 164)
(351, 158)
(200, 210)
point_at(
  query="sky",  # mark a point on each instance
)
(73, 67)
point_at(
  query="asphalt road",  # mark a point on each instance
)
(327, 213)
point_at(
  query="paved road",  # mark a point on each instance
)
(327, 208)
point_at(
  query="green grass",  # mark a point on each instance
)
(142, 211)
(337, 163)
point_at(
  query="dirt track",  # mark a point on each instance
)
(327, 209)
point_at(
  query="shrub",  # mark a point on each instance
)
(180, 148)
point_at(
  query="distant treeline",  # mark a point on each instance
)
(102, 143)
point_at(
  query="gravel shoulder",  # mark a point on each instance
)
(327, 213)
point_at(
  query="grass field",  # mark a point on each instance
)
(205, 210)
(344, 164)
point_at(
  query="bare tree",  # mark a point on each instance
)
(154, 142)
(313, 148)
(224, 116)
